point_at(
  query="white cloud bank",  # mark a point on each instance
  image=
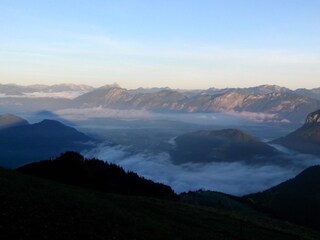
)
(64, 94)
(233, 178)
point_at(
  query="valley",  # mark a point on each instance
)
(159, 120)
(215, 160)
(157, 142)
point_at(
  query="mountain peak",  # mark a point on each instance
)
(273, 87)
(10, 120)
(50, 122)
(27, 143)
(313, 118)
(114, 85)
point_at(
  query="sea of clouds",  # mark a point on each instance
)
(235, 178)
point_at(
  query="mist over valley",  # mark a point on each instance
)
(144, 139)
(160, 120)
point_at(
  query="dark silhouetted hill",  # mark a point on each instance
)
(35, 208)
(72, 168)
(27, 143)
(216, 200)
(296, 200)
(219, 145)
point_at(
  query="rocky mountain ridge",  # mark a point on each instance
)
(273, 103)
(313, 118)
(281, 105)
(14, 89)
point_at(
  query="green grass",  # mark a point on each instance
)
(33, 208)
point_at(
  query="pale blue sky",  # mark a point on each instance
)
(180, 44)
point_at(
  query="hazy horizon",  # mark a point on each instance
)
(137, 87)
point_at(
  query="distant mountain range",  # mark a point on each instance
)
(281, 104)
(277, 104)
(14, 89)
(306, 139)
(227, 145)
(312, 93)
(21, 142)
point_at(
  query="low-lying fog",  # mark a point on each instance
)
(262, 125)
(143, 138)
(233, 178)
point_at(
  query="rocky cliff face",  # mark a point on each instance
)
(313, 118)
(305, 139)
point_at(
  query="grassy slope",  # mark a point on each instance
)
(296, 200)
(217, 200)
(33, 208)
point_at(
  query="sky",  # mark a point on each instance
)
(176, 43)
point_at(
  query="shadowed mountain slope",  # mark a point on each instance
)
(305, 139)
(219, 145)
(10, 120)
(296, 200)
(26, 143)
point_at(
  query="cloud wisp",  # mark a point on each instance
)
(101, 112)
